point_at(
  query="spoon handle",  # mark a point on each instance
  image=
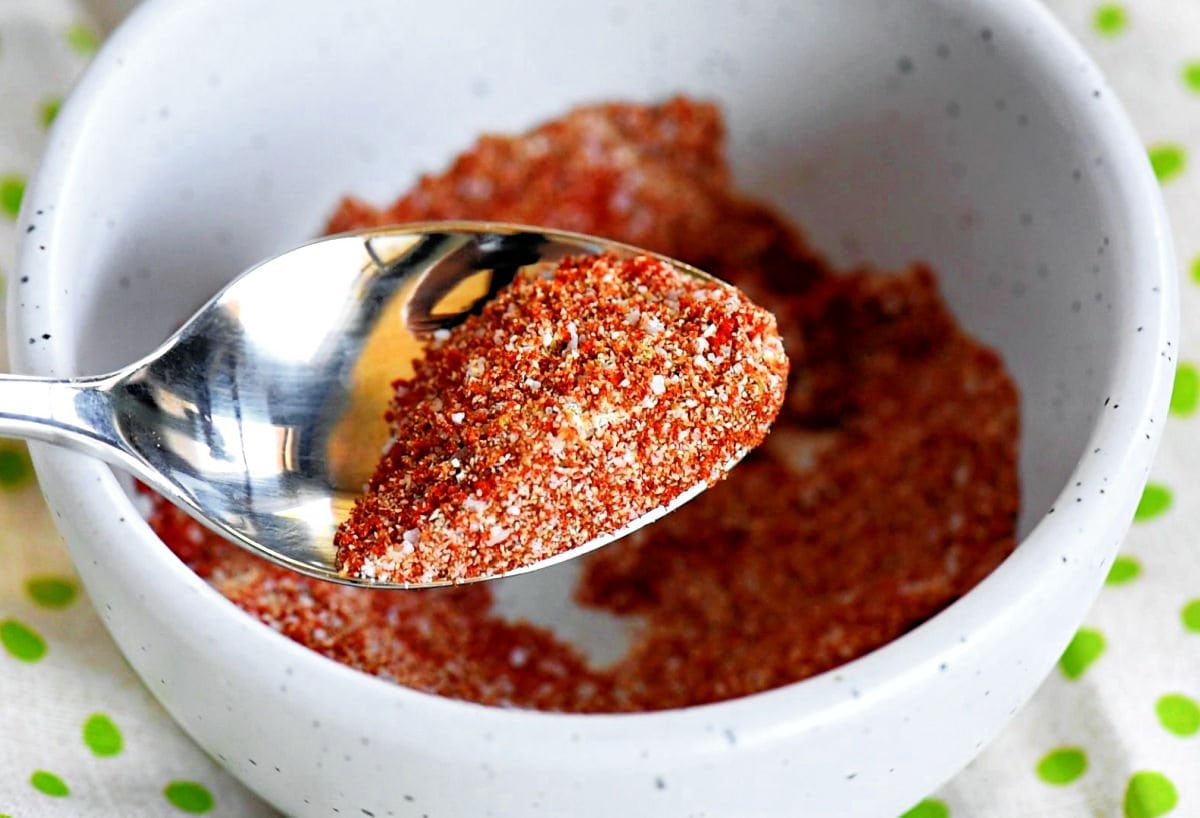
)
(76, 414)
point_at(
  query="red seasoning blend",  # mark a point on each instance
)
(579, 399)
(885, 490)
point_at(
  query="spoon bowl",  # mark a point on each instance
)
(262, 415)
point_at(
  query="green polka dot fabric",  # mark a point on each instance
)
(79, 735)
(1114, 731)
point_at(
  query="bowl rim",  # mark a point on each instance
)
(811, 701)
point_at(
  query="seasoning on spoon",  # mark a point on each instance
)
(579, 399)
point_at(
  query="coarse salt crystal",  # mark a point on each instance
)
(658, 384)
(652, 324)
(475, 187)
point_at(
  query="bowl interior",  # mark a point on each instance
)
(889, 135)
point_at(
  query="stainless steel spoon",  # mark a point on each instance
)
(252, 417)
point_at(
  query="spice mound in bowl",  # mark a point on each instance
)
(886, 489)
(581, 398)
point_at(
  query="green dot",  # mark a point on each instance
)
(1191, 616)
(101, 735)
(51, 592)
(1110, 19)
(1085, 648)
(1191, 75)
(21, 641)
(929, 808)
(1179, 714)
(188, 796)
(1168, 161)
(1196, 269)
(16, 469)
(1062, 766)
(12, 190)
(1156, 498)
(48, 110)
(1149, 795)
(1124, 569)
(82, 39)
(49, 784)
(1185, 395)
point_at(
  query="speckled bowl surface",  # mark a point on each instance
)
(207, 136)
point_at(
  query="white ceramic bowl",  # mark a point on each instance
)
(207, 136)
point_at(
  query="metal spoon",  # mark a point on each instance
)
(251, 417)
